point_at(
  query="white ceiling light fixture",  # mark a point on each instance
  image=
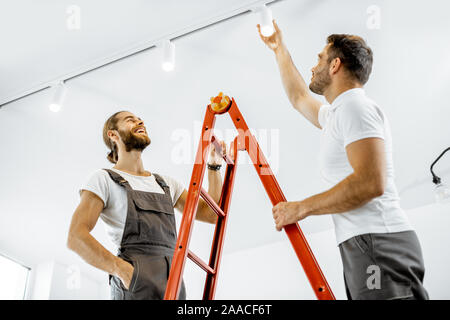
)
(59, 92)
(168, 62)
(441, 191)
(267, 28)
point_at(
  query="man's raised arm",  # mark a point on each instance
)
(294, 85)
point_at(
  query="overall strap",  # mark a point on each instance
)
(162, 184)
(117, 178)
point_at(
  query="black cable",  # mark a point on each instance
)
(436, 179)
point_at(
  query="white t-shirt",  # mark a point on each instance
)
(353, 116)
(114, 197)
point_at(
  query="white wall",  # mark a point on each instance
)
(273, 271)
(52, 280)
(40, 281)
(432, 223)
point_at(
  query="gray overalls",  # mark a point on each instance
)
(148, 242)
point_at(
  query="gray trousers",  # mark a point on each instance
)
(383, 266)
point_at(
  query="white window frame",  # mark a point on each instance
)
(25, 291)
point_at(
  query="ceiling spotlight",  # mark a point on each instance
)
(168, 63)
(266, 21)
(441, 191)
(58, 96)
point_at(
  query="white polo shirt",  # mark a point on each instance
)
(353, 116)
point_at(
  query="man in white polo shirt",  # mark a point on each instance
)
(380, 252)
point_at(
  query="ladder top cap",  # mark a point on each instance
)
(220, 103)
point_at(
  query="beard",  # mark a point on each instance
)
(321, 81)
(134, 141)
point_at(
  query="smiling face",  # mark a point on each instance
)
(132, 132)
(321, 78)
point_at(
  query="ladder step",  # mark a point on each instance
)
(200, 262)
(211, 203)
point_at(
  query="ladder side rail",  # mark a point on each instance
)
(220, 230)
(190, 208)
(294, 233)
(302, 249)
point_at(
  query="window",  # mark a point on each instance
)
(13, 279)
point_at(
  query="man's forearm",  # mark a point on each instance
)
(351, 193)
(293, 83)
(204, 212)
(91, 251)
(214, 190)
(214, 184)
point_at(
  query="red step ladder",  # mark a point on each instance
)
(244, 141)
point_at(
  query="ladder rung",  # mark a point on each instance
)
(205, 195)
(228, 160)
(200, 262)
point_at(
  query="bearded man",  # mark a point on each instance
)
(137, 207)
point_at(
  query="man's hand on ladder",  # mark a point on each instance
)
(214, 157)
(285, 213)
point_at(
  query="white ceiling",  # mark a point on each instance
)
(46, 156)
(108, 30)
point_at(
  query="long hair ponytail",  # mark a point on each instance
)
(111, 124)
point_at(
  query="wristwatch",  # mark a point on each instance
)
(215, 167)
